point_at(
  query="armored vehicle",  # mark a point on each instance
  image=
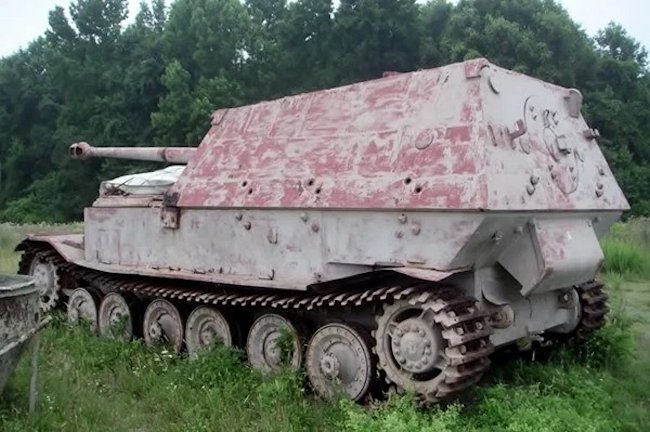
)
(395, 230)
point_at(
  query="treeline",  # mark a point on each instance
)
(154, 81)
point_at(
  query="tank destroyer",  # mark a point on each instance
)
(390, 231)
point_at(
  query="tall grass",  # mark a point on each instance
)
(627, 248)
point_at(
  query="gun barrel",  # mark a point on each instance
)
(176, 155)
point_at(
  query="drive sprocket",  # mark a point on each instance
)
(434, 343)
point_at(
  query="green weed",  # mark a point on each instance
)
(625, 258)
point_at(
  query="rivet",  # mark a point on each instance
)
(553, 175)
(247, 225)
(463, 349)
(599, 185)
(601, 171)
(399, 234)
(238, 216)
(534, 180)
(479, 326)
(571, 168)
(599, 193)
(315, 227)
(460, 331)
(415, 229)
(402, 218)
(304, 217)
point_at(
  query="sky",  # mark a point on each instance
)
(23, 20)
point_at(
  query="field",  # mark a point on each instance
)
(88, 383)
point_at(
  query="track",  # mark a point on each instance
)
(463, 350)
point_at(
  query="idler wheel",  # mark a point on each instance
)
(273, 342)
(82, 307)
(117, 314)
(47, 282)
(163, 325)
(339, 359)
(206, 326)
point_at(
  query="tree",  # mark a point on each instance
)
(374, 36)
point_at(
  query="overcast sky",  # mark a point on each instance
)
(23, 20)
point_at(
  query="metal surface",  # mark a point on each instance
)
(19, 317)
(205, 327)
(117, 316)
(272, 343)
(83, 305)
(163, 325)
(339, 359)
(177, 155)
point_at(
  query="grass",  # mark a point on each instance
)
(89, 383)
(627, 248)
(12, 234)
